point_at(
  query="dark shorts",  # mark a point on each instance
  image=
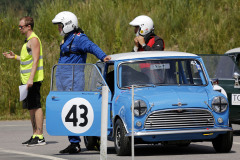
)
(33, 98)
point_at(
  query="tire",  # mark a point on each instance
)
(121, 142)
(223, 142)
(92, 143)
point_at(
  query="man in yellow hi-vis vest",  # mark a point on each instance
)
(31, 71)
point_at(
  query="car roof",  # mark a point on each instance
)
(234, 50)
(149, 54)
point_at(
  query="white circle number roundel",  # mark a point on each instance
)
(77, 115)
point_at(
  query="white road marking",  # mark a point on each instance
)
(236, 143)
(31, 154)
(11, 125)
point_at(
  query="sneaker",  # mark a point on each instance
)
(73, 148)
(36, 142)
(26, 143)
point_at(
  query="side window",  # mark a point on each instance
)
(196, 72)
(76, 77)
(110, 77)
(100, 66)
(192, 72)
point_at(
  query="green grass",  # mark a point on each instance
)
(195, 26)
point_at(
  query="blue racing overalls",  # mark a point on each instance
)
(74, 50)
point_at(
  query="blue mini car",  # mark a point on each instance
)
(174, 101)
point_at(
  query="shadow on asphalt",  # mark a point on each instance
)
(51, 142)
(158, 149)
(154, 150)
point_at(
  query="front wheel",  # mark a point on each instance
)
(223, 142)
(121, 142)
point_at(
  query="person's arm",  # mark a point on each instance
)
(135, 48)
(89, 47)
(35, 47)
(11, 55)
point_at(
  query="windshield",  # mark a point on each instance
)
(220, 66)
(161, 72)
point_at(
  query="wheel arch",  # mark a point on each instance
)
(115, 120)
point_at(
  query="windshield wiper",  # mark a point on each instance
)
(147, 85)
(189, 84)
(161, 84)
(140, 85)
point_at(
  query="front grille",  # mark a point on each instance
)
(179, 118)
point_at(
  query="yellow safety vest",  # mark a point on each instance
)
(26, 62)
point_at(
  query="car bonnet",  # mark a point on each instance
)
(173, 97)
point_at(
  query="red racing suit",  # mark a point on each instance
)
(153, 43)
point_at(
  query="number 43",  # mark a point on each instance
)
(74, 119)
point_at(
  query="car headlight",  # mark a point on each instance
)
(219, 104)
(140, 108)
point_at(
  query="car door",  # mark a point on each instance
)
(73, 106)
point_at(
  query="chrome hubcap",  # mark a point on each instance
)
(118, 136)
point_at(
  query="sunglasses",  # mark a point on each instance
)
(60, 25)
(21, 27)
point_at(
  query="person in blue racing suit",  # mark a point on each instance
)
(73, 50)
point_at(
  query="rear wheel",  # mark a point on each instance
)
(92, 143)
(223, 142)
(121, 142)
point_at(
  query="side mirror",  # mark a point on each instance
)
(236, 77)
(214, 81)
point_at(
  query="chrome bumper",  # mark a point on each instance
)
(154, 133)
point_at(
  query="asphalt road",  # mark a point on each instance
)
(13, 133)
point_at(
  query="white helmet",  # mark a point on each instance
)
(68, 19)
(145, 24)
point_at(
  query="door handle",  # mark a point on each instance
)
(54, 98)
